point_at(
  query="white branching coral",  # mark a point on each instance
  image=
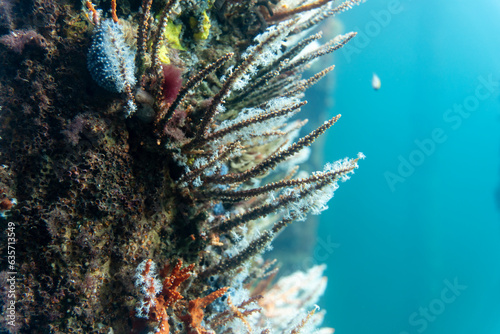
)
(263, 92)
(316, 201)
(244, 127)
(291, 297)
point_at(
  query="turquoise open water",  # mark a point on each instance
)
(416, 231)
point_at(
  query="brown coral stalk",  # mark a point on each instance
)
(280, 16)
(254, 120)
(192, 83)
(143, 32)
(245, 194)
(322, 15)
(330, 47)
(276, 158)
(218, 99)
(158, 38)
(223, 156)
(297, 329)
(275, 69)
(317, 183)
(254, 248)
(305, 84)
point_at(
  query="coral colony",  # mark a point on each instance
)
(149, 157)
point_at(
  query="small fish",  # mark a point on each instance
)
(376, 82)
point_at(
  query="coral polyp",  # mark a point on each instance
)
(157, 221)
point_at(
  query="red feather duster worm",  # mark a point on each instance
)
(172, 83)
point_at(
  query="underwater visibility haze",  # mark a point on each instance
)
(422, 212)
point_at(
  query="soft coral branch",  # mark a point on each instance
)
(195, 314)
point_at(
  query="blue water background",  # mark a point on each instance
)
(392, 251)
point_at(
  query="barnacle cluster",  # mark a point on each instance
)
(146, 206)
